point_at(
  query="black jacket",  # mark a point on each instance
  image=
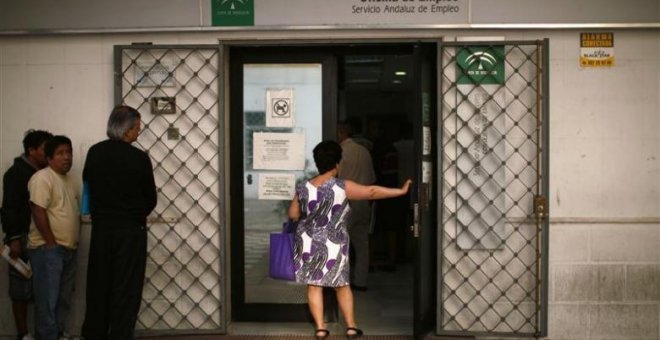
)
(15, 211)
(121, 184)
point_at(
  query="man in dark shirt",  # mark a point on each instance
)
(122, 193)
(16, 219)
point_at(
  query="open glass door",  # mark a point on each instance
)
(423, 193)
(281, 106)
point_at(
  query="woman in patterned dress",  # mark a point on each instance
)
(321, 208)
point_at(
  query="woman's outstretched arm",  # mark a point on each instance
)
(358, 192)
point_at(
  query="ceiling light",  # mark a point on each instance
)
(400, 73)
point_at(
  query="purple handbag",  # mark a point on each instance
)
(281, 253)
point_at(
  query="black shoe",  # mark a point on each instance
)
(359, 288)
(352, 332)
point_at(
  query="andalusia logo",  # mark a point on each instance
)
(480, 65)
(232, 12)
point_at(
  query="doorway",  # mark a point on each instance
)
(376, 87)
(485, 138)
(376, 97)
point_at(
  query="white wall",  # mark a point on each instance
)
(606, 130)
(605, 189)
(604, 159)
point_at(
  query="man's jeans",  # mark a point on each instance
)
(53, 275)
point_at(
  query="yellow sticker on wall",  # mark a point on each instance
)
(596, 49)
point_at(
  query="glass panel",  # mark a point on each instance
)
(282, 124)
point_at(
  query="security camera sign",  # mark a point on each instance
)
(279, 108)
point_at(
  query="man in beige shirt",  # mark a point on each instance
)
(356, 165)
(53, 238)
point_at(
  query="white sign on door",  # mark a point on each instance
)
(279, 108)
(278, 151)
(276, 186)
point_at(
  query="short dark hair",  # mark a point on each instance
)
(122, 118)
(345, 128)
(34, 138)
(53, 143)
(327, 155)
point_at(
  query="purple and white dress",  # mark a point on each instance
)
(321, 249)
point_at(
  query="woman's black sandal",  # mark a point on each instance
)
(352, 332)
(321, 333)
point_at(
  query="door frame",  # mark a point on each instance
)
(424, 212)
(375, 46)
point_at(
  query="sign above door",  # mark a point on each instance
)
(341, 12)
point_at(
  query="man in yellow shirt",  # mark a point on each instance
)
(53, 238)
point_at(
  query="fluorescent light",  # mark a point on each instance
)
(400, 73)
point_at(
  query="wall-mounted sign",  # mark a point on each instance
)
(162, 105)
(149, 72)
(597, 49)
(279, 108)
(359, 12)
(274, 186)
(278, 151)
(232, 12)
(480, 65)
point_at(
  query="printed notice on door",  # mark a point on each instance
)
(274, 186)
(278, 151)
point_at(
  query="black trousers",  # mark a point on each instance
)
(115, 276)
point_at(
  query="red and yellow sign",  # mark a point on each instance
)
(597, 49)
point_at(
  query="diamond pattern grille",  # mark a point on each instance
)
(492, 178)
(176, 91)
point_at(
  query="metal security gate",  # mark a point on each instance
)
(177, 91)
(493, 158)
